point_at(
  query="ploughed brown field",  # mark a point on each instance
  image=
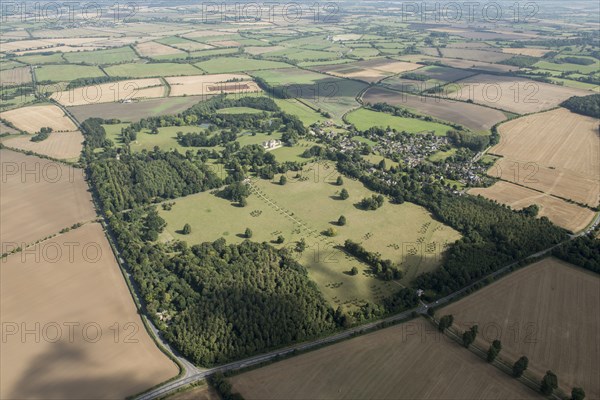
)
(472, 116)
(369, 71)
(407, 361)
(548, 312)
(556, 152)
(39, 198)
(60, 145)
(567, 215)
(85, 338)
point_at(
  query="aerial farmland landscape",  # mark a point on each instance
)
(300, 200)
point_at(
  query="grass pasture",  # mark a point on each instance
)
(66, 72)
(102, 57)
(407, 361)
(150, 70)
(88, 288)
(223, 65)
(546, 311)
(307, 115)
(304, 208)
(364, 119)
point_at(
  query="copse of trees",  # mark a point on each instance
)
(371, 203)
(42, 135)
(584, 105)
(384, 269)
(583, 251)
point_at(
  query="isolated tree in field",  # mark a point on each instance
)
(520, 366)
(331, 232)
(493, 351)
(341, 220)
(248, 233)
(445, 322)
(549, 383)
(469, 336)
(344, 194)
(301, 245)
(339, 181)
(280, 239)
(282, 180)
(187, 229)
(577, 394)
(354, 271)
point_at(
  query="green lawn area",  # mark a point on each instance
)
(165, 139)
(139, 70)
(211, 52)
(298, 54)
(442, 155)
(364, 119)
(363, 139)
(567, 67)
(113, 132)
(375, 159)
(102, 57)
(66, 72)
(259, 138)
(239, 110)
(42, 59)
(303, 208)
(287, 153)
(307, 115)
(238, 64)
(576, 84)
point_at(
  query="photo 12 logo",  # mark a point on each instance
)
(36, 172)
(56, 12)
(69, 332)
(468, 11)
(272, 12)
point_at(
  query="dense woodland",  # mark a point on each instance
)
(585, 105)
(583, 251)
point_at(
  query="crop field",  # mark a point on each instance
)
(525, 51)
(304, 208)
(472, 116)
(203, 392)
(16, 76)
(111, 92)
(211, 84)
(238, 64)
(546, 311)
(369, 71)
(136, 110)
(334, 95)
(151, 49)
(109, 351)
(66, 72)
(7, 129)
(517, 95)
(25, 217)
(477, 55)
(108, 56)
(256, 50)
(138, 70)
(364, 119)
(392, 363)
(32, 119)
(42, 59)
(60, 145)
(567, 215)
(184, 44)
(556, 152)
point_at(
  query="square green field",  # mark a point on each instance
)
(364, 119)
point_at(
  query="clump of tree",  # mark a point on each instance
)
(520, 366)
(43, 134)
(339, 180)
(577, 393)
(372, 203)
(354, 271)
(445, 322)
(494, 350)
(282, 180)
(583, 251)
(331, 232)
(384, 269)
(549, 383)
(341, 220)
(223, 387)
(344, 194)
(584, 105)
(187, 229)
(248, 233)
(469, 336)
(236, 191)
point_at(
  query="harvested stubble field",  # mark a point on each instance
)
(16, 76)
(474, 54)
(211, 84)
(563, 152)
(567, 215)
(369, 71)
(39, 198)
(92, 342)
(136, 110)
(547, 311)
(472, 116)
(150, 49)
(60, 145)
(517, 95)
(111, 92)
(525, 51)
(408, 361)
(32, 119)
